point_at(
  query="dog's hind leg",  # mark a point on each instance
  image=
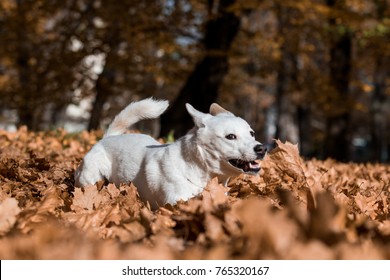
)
(94, 168)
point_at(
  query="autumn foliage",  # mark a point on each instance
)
(296, 209)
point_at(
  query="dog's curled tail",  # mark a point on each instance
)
(145, 109)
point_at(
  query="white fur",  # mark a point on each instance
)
(170, 172)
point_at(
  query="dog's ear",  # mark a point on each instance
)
(216, 109)
(198, 117)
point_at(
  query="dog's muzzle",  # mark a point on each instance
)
(250, 167)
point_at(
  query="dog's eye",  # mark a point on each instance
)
(231, 137)
(252, 133)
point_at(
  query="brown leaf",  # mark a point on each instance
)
(112, 190)
(285, 157)
(89, 220)
(214, 228)
(368, 205)
(364, 251)
(312, 250)
(130, 200)
(9, 211)
(266, 231)
(136, 231)
(384, 227)
(214, 195)
(328, 220)
(113, 216)
(87, 198)
(326, 210)
(40, 211)
(283, 167)
(162, 223)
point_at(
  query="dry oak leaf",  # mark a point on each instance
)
(214, 195)
(368, 205)
(264, 227)
(384, 228)
(51, 200)
(88, 198)
(364, 250)
(40, 211)
(9, 210)
(284, 167)
(93, 221)
(112, 190)
(129, 199)
(328, 220)
(162, 223)
(214, 228)
(113, 216)
(285, 157)
(311, 250)
(136, 230)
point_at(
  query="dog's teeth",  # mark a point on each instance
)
(245, 166)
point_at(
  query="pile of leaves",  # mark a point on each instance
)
(295, 209)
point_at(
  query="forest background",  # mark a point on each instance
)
(313, 72)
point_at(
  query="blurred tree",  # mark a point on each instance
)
(337, 134)
(38, 58)
(287, 77)
(106, 79)
(201, 87)
(145, 45)
(379, 41)
(312, 72)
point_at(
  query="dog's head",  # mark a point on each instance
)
(227, 142)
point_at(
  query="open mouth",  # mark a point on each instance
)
(245, 166)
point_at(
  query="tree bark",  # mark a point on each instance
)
(286, 83)
(378, 109)
(25, 107)
(103, 89)
(377, 114)
(201, 88)
(106, 79)
(337, 138)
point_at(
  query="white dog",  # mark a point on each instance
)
(220, 145)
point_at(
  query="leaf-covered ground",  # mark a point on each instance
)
(296, 209)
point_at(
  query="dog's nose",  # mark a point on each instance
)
(260, 150)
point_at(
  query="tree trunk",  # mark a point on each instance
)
(106, 79)
(378, 108)
(201, 88)
(337, 138)
(25, 107)
(305, 131)
(286, 110)
(103, 89)
(378, 114)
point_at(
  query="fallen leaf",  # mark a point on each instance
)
(88, 198)
(9, 211)
(368, 205)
